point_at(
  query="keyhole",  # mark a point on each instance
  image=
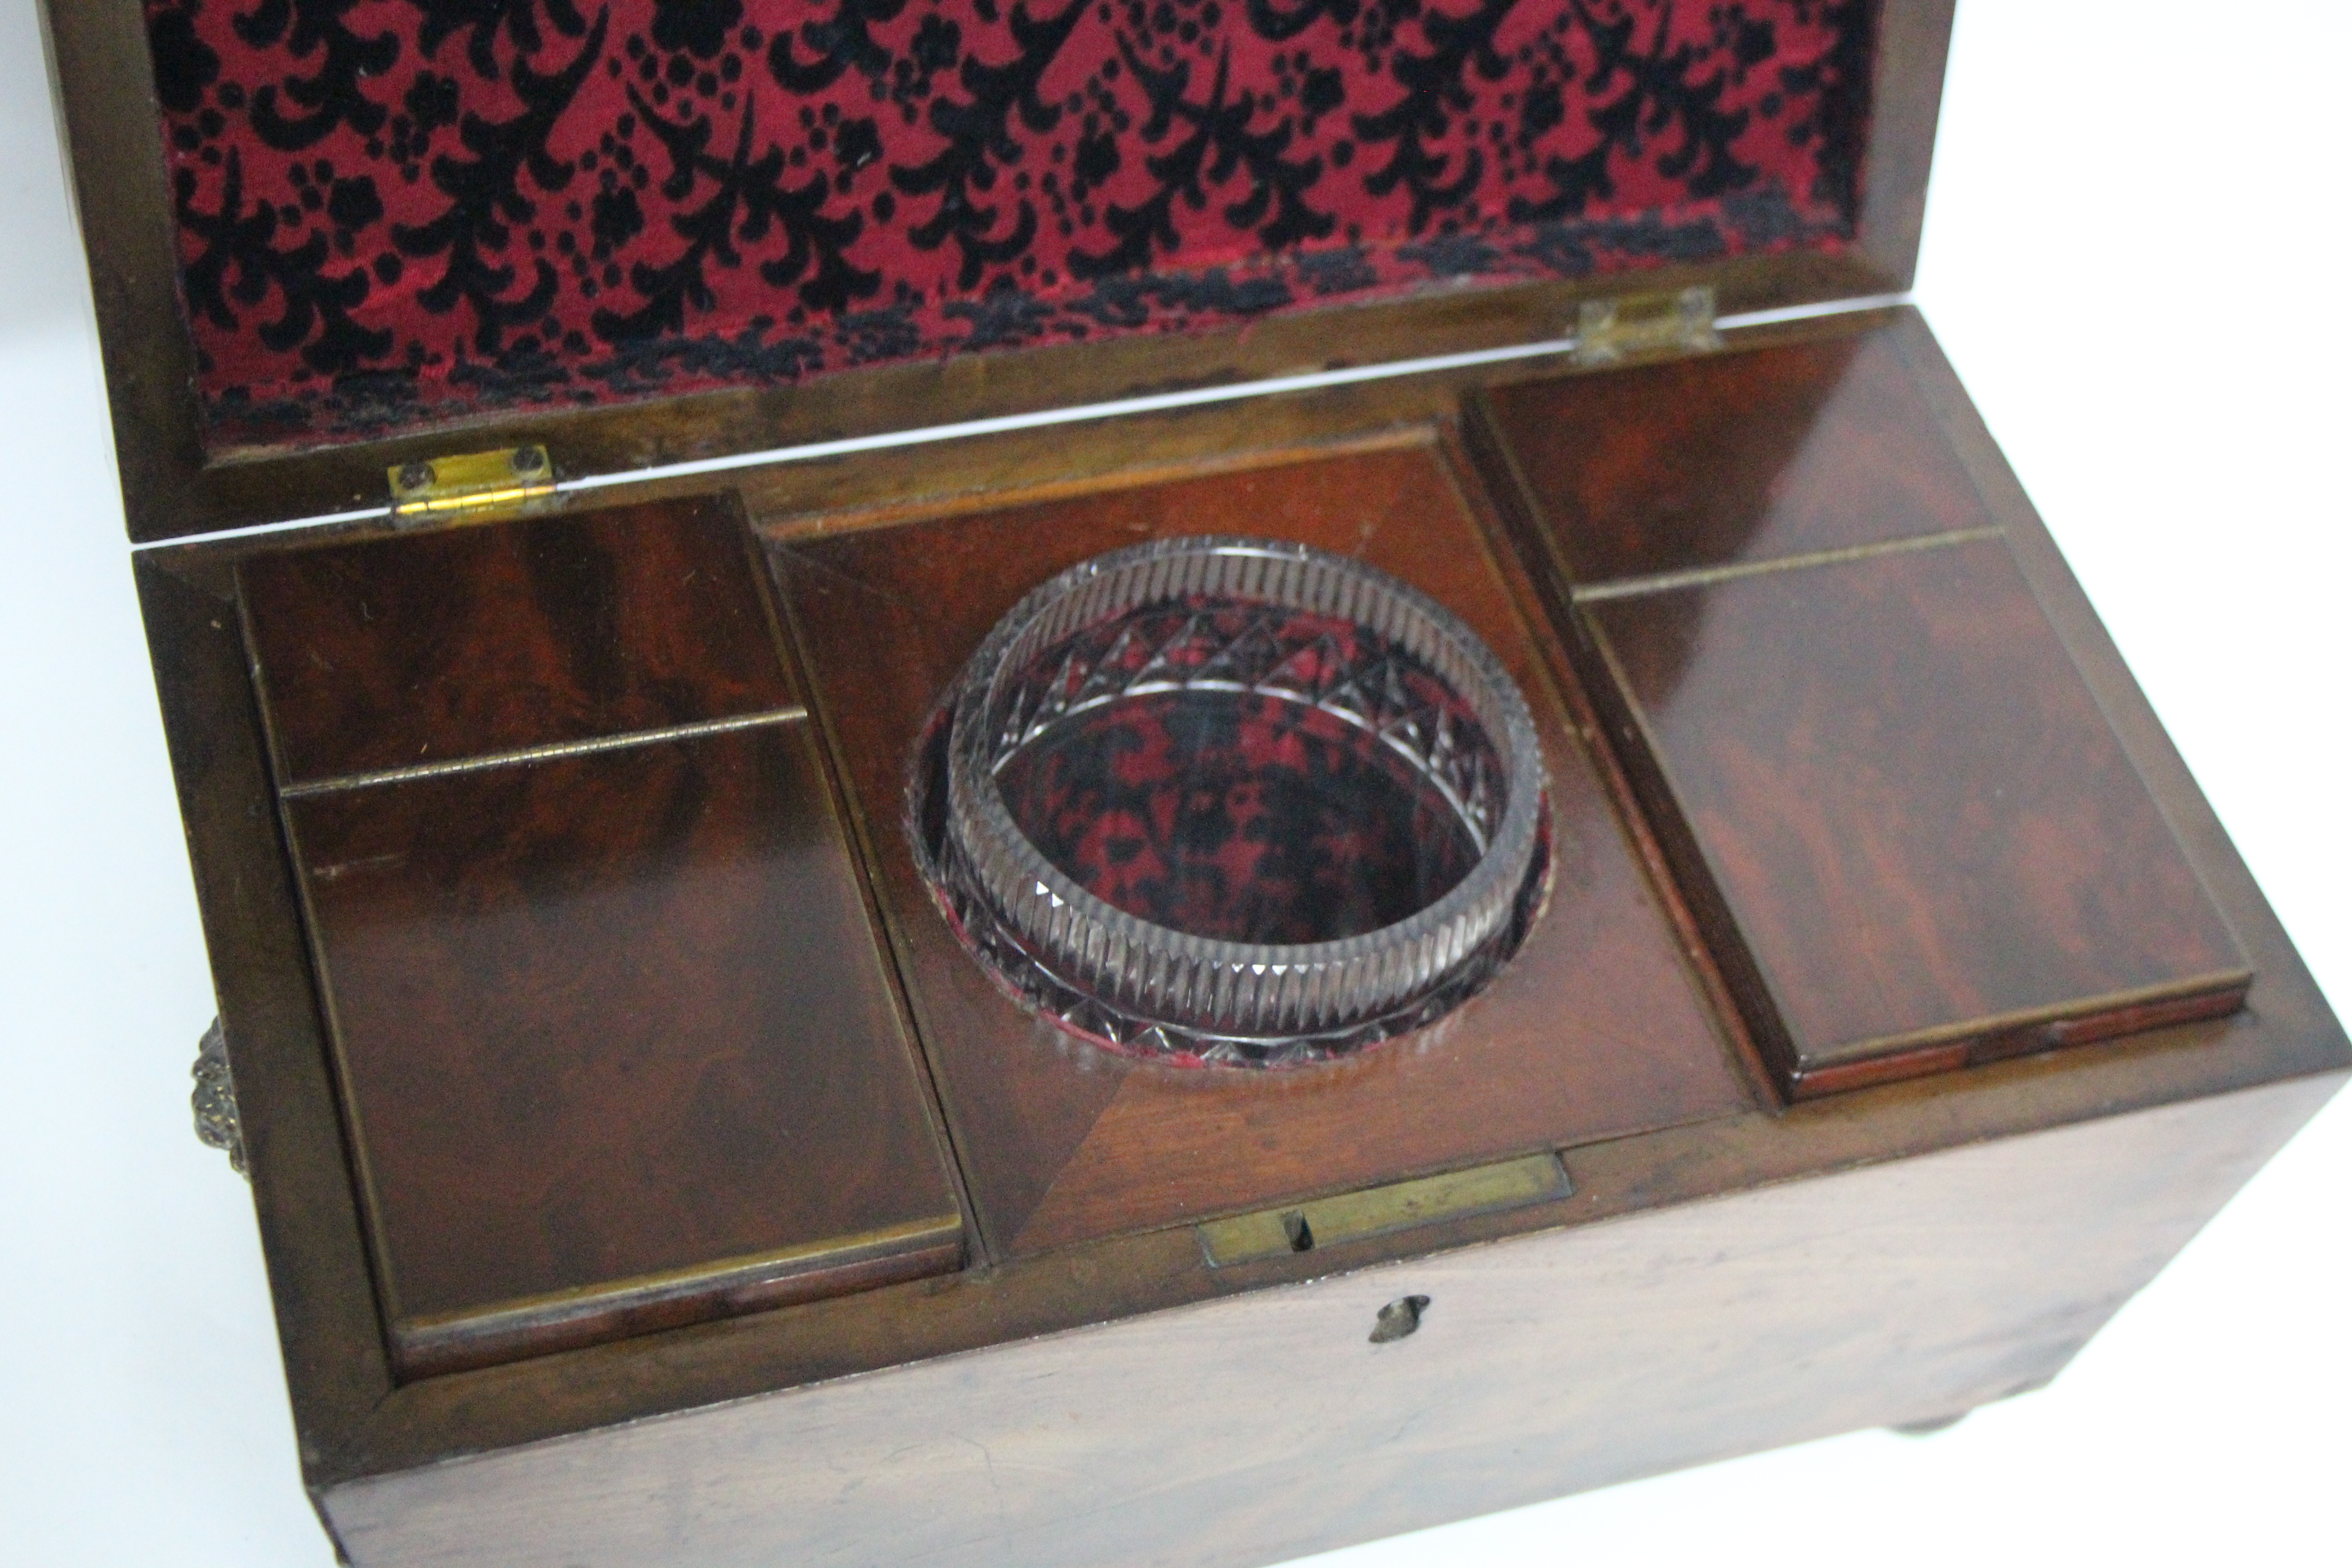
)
(1398, 1319)
(1301, 1234)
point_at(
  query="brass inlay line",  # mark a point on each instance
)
(558, 1307)
(2073, 1011)
(554, 751)
(1377, 1211)
(1702, 576)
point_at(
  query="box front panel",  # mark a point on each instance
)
(1270, 1426)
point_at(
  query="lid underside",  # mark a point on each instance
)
(328, 237)
(397, 212)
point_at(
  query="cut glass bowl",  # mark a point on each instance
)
(1234, 802)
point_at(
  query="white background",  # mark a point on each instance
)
(2135, 256)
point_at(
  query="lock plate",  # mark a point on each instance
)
(1377, 1210)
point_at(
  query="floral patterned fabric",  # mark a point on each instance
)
(392, 212)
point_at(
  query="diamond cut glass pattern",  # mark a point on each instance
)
(1234, 802)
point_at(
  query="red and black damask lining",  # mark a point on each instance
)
(398, 211)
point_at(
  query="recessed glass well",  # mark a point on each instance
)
(1234, 802)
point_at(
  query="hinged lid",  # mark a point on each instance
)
(324, 232)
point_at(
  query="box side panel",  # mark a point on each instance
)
(328, 1327)
(1260, 1429)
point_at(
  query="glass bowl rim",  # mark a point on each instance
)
(1395, 960)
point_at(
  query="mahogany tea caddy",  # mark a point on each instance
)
(645, 1172)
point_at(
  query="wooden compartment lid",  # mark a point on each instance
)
(616, 1040)
(1900, 811)
(322, 237)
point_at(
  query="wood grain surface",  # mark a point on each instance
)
(1597, 1028)
(1266, 1426)
(607, 1017)
(1924, 830)
(433, 646)
(1904, 819)
(1729, 458)
(615, 1036)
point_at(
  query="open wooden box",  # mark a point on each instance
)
(1861, 822)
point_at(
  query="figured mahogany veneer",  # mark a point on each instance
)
(616, 1042)
(1723, 458)
(1598, 1028)
(1913, 836)
(418, 649)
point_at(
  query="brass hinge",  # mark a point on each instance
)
(1642, 326)
(477, 481)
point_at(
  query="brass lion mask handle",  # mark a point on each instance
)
(214, 1099)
